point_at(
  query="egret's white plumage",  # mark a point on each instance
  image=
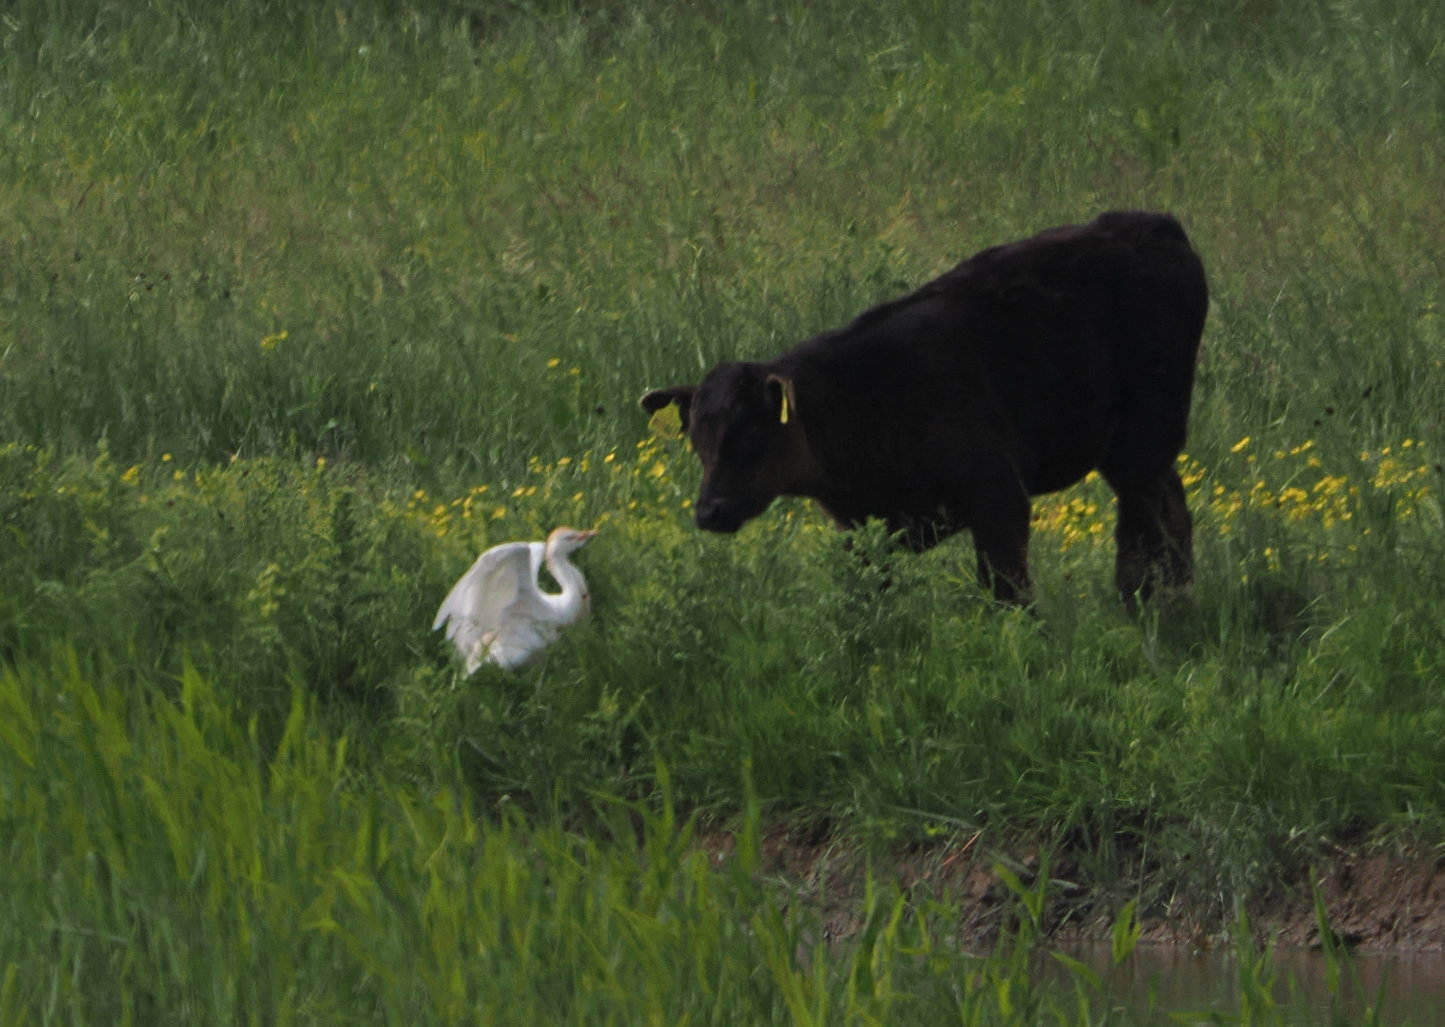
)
(496, 612)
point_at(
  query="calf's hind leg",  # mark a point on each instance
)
(1154, 535)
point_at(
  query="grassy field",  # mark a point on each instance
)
(301, 305)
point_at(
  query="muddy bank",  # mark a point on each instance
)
(1375, 899)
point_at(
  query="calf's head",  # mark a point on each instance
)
(743, 424)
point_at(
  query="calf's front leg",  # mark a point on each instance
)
(1000, 527)
(1155, 537)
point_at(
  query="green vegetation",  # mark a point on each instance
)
(301, 305)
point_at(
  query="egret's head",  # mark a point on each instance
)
(567, 540)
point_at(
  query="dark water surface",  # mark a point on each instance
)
(1398, 988)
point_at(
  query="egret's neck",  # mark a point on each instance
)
(571, 603)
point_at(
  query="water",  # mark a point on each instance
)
(1399, 988)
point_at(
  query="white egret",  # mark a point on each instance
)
(495, 612)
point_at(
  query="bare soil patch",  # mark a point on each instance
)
(1374, 899)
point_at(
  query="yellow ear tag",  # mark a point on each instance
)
(666, 423)
(790, 399)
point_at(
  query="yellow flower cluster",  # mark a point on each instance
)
(438, 517)
(1327, 509)
(566, 483)
(1074, 517)
(1291, 484)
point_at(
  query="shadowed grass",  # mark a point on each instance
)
(202, 872)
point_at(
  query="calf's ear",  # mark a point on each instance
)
(682, 395)
(782, 396)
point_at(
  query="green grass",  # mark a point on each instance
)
(302, 305)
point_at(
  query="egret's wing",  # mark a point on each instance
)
(484, 599)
